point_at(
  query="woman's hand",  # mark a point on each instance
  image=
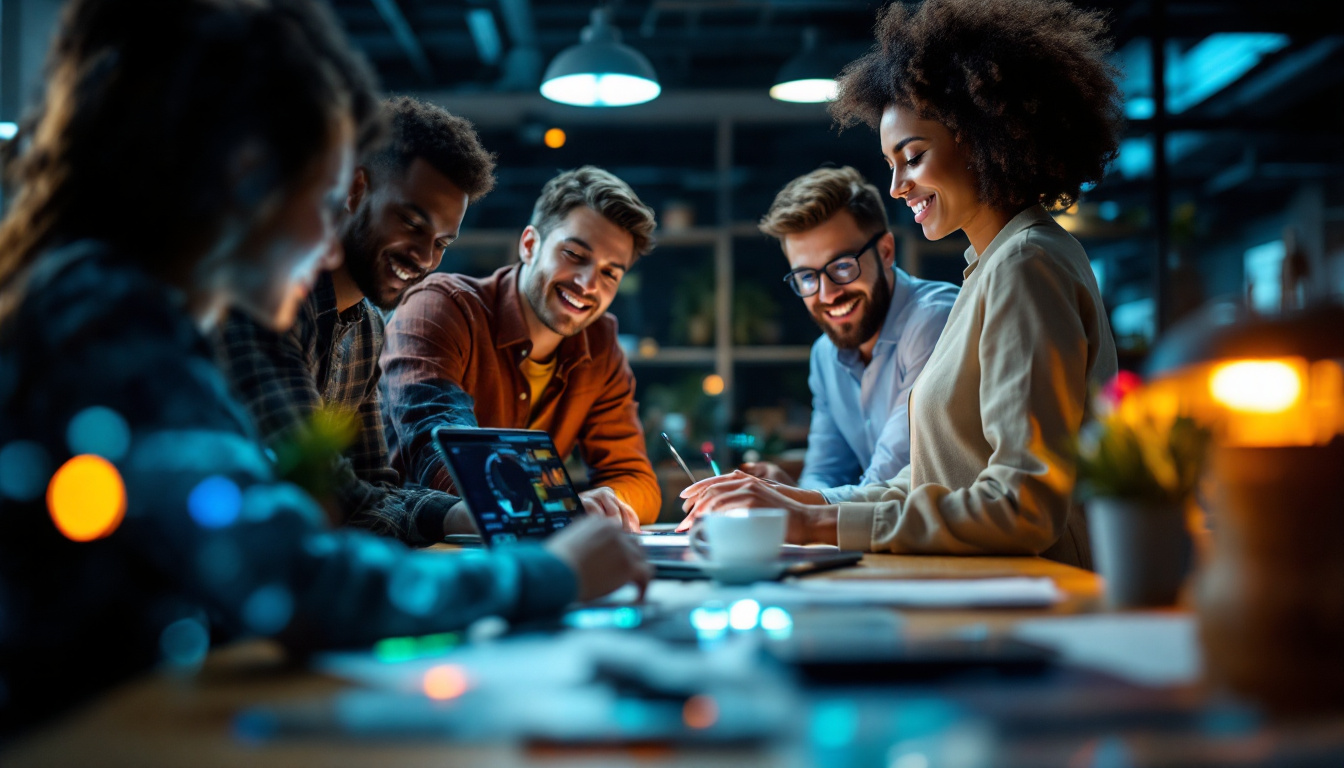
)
(811, 519)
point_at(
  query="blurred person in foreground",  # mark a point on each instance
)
(405, 206)
(228, 128)
(880, 326)
(534, 347)
(988, 111)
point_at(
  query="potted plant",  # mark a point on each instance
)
(1138, 468)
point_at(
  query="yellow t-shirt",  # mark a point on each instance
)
(538, 375)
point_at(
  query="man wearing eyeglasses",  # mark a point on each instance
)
(880, 327)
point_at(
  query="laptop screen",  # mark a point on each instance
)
(513, 480)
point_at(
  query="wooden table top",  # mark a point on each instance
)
(163, 719)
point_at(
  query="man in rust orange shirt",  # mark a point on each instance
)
(531, 347)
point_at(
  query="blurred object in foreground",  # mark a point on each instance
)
(1271, 598)
(305, 457)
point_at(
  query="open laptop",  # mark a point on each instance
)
(515, 483)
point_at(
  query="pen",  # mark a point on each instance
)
(677, 456)
(713, 465)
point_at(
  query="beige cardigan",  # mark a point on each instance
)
(993, 413)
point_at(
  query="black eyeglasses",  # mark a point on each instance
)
(842, 270)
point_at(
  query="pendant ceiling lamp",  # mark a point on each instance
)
(600, 71)
(808, 77)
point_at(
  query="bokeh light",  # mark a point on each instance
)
(268, 610)
(1256, 386)
(25, 469)
(215, 502)
(446, 681)
(554, 138)
(700, 712)
(184, 643)
(744, 614)
(413, 590)
(713, 385)
(86, 498)
(99, 431)
(777, 623)
(835, 723)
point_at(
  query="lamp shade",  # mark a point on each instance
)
(600, 71)
(1226, 331)
(1267, 381)
(808, 77)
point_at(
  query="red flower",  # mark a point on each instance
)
(1120, 387)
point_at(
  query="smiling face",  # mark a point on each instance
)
(399, 225)
(850, 314)
(279, 261)
(570, 276)
(931, 172)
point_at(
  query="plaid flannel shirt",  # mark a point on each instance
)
(330, 359)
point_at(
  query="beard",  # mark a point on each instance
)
(362, 261)
(538, 294)
(872, 312)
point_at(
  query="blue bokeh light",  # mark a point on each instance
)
(215, 502)
(413, 590)
(835, 723)
(184, 643)
(99, 431)
(25, 470)
(777, 622)
(268, 610)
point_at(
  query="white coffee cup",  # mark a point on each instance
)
(740, 536)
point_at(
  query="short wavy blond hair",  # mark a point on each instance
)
(813, 198)
(601, 191)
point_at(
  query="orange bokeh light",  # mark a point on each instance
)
(86, 498)
(700, 712)
(554, 138)
(446, 681)
(713, 385)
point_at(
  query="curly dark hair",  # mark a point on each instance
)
(1023, 85)
(447, 142)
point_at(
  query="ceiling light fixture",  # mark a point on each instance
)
(808, 77)
(600, 71)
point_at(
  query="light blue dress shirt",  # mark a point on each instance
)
(860, 431)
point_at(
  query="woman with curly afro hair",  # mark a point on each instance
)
(989, 112)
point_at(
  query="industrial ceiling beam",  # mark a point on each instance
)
(401, 30)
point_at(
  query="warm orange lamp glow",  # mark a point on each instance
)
(554, 138)
(713, 385)
(446, 681)
(1268, 596)
(700, 712)
(1255, 386)
(86, 498)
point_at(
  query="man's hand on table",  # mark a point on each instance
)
(604, 501)
(459, 520)
(811, 518)
(601, 555)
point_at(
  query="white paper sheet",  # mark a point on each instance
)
(915, 593)
(1147, 649)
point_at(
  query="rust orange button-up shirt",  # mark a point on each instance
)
(453, 332)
